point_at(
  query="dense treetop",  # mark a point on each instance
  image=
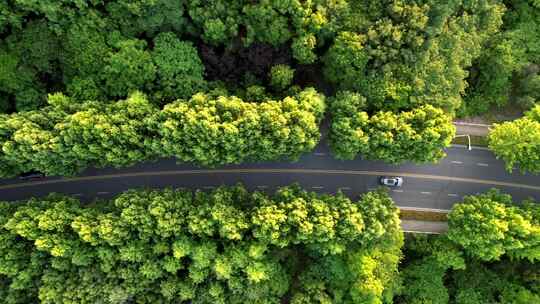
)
(489, 226)
(518, 142)
(399, 54)
(437, 271)
(416, 60)
(490, 254)
(418, 135)
(178, 246)
(232, 246)
(67, 136)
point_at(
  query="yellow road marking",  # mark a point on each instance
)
(275, 171)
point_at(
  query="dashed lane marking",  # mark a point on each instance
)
(270, 171)
(396, 190)
(319, 154)
(457, 162)
(317, 187)
(453, 195)
(482, 164)
(103, 192)
(425, 192)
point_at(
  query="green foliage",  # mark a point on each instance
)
(179, 68)
(419, 135)
(177, 246)
(129, 69)
(488, 226)
(281, 76)
(424, 277)
(401, 55)
(147, 16)
(65, 138)
(85, 53)
(528, 89)
(212, 131)
(68, 136)
(303, 48)
(345, 62)
(265, 23)
(518, 142)
(218, 19)
(496, 67)
(429, 277)
(27, 55)
(498, 74)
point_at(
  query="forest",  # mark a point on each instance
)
(209, 76)
(112, 83)
(230, 245)
(179, 246)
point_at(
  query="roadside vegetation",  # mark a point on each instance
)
(178, 246)
(234, 246)
(393, 73)
(491, 254)
(68, 135)
(518, 142)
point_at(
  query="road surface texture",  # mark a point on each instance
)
(431, 186)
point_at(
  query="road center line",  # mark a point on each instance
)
(457, 162)
(270, 171)
(482, 164)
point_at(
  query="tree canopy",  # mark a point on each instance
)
(67, 136)
(436, 270)
(489, 226)
(463, 57)
(518, 142)
(418, 135)
(179, 246)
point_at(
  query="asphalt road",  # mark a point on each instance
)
(433, 186)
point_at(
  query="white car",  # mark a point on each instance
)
(391, 181)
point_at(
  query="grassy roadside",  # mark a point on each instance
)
(417, 215)
(479, 141)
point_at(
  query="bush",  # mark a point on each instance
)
(281, 76)
(179, 69)
(346, 60)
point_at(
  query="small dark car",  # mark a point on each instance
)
(391, 181)
(31, 175)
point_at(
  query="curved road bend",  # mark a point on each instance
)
(435, 186)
